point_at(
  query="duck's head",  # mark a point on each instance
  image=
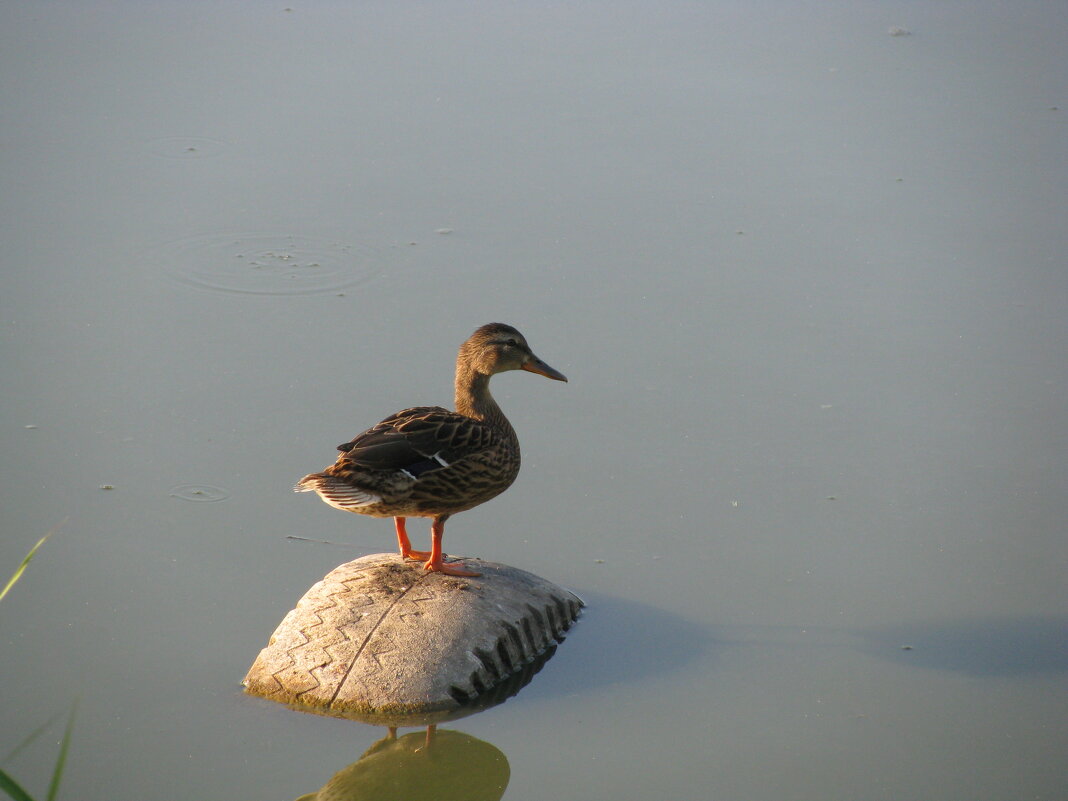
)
(496, 347)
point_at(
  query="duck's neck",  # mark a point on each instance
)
(473, 399)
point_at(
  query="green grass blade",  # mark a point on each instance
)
(22, 567)
(33, 735)
(26, 561)
(61, 760)
(12, 788)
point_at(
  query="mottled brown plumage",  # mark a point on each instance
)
(429, 462)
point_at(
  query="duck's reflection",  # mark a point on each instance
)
(438, 764)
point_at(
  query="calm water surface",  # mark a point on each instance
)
(807, 280)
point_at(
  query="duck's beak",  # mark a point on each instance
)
(536, 365)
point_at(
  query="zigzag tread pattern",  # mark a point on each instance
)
(317, 642)
(384, 635)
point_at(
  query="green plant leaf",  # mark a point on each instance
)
(12, 788)
(33, 735)
(22, 567)
(61, 760)
(26, 561)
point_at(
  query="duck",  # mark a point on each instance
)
(428, 461)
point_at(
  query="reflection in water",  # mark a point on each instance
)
(442, 765)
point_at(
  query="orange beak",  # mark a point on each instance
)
(536, 365)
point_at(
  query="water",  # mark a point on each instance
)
(806, 279)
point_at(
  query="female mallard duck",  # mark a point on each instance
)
(430, 462)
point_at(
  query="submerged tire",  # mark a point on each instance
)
(381, 640)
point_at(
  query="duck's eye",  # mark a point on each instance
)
(512, 343)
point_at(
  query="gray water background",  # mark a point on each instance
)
(807, 279)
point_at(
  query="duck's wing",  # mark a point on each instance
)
(418, 441)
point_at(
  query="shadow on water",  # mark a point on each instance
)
(624, 641)
(992, 647)
(620, 641)
(997, 647)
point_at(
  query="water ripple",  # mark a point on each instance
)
(200, 493)
(266, 264)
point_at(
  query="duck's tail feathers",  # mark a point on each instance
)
(337, 493)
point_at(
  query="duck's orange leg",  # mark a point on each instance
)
(437, 531)
(405, 546)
